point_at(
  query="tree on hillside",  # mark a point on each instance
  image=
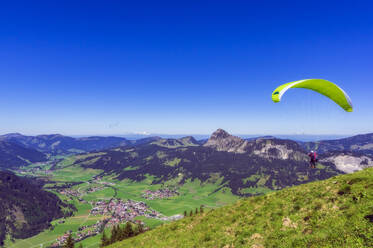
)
(191, 213)
(122, 234)
(185, 213)
(119, 233)
(140, 228)
(104, 240)
(114, 234)
(128, 231)
(196, 211)
(201, 209)
(69, 242)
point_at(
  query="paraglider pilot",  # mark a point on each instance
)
(313, 159)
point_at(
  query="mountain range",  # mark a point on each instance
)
(58, 144)
(246, 167)
(19, 150)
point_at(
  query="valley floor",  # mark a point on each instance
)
(91, 195)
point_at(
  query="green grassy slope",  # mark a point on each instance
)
(331, 213)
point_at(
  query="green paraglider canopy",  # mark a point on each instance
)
(321, 86)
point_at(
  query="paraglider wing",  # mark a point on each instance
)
(321, 86)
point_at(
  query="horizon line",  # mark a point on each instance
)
(183, 134)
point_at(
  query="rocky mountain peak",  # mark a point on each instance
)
(223, 141)
(220, 134)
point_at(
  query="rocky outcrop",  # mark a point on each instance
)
(348, 162)
(276, 149)
(268, 147)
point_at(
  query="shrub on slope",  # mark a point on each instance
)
(337, 212)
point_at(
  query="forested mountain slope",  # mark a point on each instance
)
(359, 143)
(26, 209)
(13, 155)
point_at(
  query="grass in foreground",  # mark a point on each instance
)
(337, 212)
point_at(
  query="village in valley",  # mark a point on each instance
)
(160, 194)
(113, 211)
(122, 211)
(79, 193)
(109, 211)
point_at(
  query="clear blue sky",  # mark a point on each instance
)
(111, 67)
